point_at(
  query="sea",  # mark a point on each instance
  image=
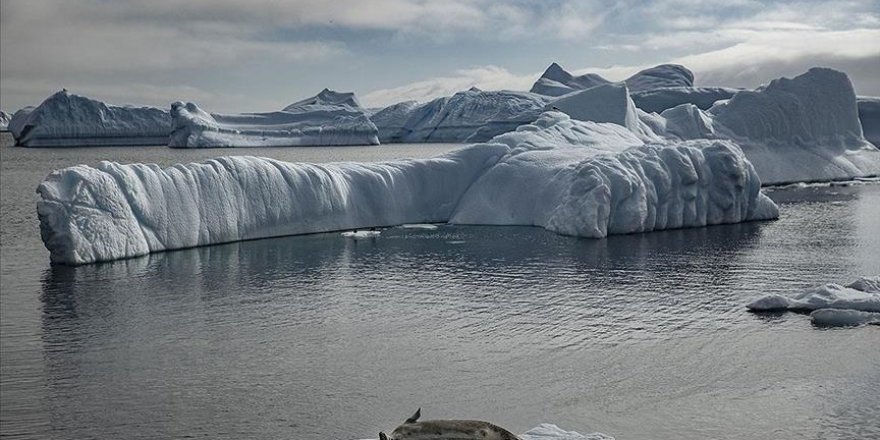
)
(641, 336)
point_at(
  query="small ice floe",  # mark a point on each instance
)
(423, 226)
(843, 318)
(831, 304)
(361, 235)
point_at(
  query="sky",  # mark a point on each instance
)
(261, 55)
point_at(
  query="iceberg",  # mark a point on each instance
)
(606, 103)
(328, 118)
(578, 178)
(4, 120)
(799, 129)
(831, 304)
(556, 81)
(869, 115)
(470, 116)
(67, 120)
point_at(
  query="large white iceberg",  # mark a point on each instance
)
(869, 115)
(470, 116)
(4, 120)
(556, 81)
(329, 118)
(65, 120)
(831, 304)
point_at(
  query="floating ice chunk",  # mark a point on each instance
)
(546, 431)
(303, 124)
(869, 115)
(657, 100)
(423, 226)
(4, 120)
(469, 116)
(361, 235)
(843, 318)
(862, 295)
(65, 120)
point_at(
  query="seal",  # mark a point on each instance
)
(413, 429)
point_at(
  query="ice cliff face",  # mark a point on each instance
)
(65, 119)
(658, 100)
(470, 116)
(573, 177)
(330, 118)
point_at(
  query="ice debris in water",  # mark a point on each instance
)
(830, 304)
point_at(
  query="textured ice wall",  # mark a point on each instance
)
(65, 119)
(569, 176)
(856, 303)
(304, 124)
(115, 211)
(657, 100)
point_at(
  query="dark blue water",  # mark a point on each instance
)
(318, 337)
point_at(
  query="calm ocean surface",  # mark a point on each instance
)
(316, 337)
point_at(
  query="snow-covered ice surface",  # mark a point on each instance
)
(4, 120)
(869, 115)
(573, 177)
(470, 116)
(831, 304)
(329, 118)
(66, 120)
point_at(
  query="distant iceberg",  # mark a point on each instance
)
(577, 178)
(869, 115)
(469, 116)
(328, 118)
(547, 431)
(4, 120)
(67, 120)
(799, 129)
(556, 81)
(831, 304)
